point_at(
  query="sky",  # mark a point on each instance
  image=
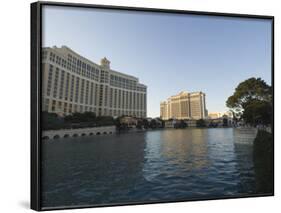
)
(169, 53)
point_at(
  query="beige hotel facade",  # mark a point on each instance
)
(72, 83)
(184, 106)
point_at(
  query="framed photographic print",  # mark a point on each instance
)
(141, 105)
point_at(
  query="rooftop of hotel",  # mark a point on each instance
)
(64, 49)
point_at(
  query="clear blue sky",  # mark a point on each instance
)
(167, 52)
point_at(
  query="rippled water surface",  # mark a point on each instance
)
(160, 165)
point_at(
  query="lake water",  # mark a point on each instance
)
(161, 165)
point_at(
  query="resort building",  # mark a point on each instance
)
(72, 83)
(215, 115)
(184, 106)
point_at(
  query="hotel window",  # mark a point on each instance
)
(92, 93)
(77, 89)
(79, 66)
(50, 78)
(68, 64)
(73, 69)
(58, 60)
(97, 73)
(74, 62)
(111, 97)
(115, 98)
(143, 107)
(66, 87)
(88, 70)
(101, 95)
(87, 92)
(63, 63)
(123, 99)
(144, 101)
(105, 95)
(56, 83)
(82, 91)
(131, 100)
(102, 76)
(141, 101)
(138, 98)
(92, 74)
(61, 84)
(134, 101)
(83, 69)
(52, 57)
(127, 100)
(72, 88)
(96, 94)
(119, 99)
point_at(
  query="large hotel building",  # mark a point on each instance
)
(184, 106)
(72, 83)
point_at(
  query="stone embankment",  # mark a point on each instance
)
(65, 133)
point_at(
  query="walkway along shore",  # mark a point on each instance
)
(65, 133)
(244, 134)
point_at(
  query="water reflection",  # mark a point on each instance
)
(78, 171)
(149, 166)
(245, 166)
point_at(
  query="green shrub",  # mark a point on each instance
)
(263, 162)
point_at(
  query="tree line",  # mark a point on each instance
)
(251, 102)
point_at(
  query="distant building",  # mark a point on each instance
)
(229, 114)
(184, 106)
(214, 115)
(72, 83)
(128, 120)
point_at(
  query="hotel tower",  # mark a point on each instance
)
(184, 106)
(72, 83)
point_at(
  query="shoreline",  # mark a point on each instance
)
(105, 130)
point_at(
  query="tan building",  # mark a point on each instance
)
(184, 106)
(72, 83)
(215, 115)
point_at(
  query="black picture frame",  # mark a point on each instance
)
(36, 82)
